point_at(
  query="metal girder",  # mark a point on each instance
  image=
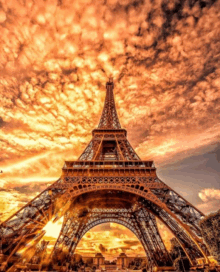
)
(27, 224)
(189, 246)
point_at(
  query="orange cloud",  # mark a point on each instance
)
(209, 194)
(211, 200)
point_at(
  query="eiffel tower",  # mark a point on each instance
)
(108, 183)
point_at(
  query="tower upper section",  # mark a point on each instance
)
(109, 118)
(109, 141)
(109, 148)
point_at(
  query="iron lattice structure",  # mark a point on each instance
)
(108, 183)
(210, 227)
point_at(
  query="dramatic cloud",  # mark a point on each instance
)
(211, 200)
(209, 194)
(55, 57)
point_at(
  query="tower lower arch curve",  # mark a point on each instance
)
(186, 234)
(123, 223)
(64, 194)
(75, 226)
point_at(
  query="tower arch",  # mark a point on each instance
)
(188, 239)
(123, 212)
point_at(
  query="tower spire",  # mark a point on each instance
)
(109, 118)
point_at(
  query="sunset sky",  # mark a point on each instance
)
(55, 57)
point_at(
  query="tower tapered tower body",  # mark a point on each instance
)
(108, 183)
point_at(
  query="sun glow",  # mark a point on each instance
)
(52, 229)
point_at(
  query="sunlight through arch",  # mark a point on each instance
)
(110, 239)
